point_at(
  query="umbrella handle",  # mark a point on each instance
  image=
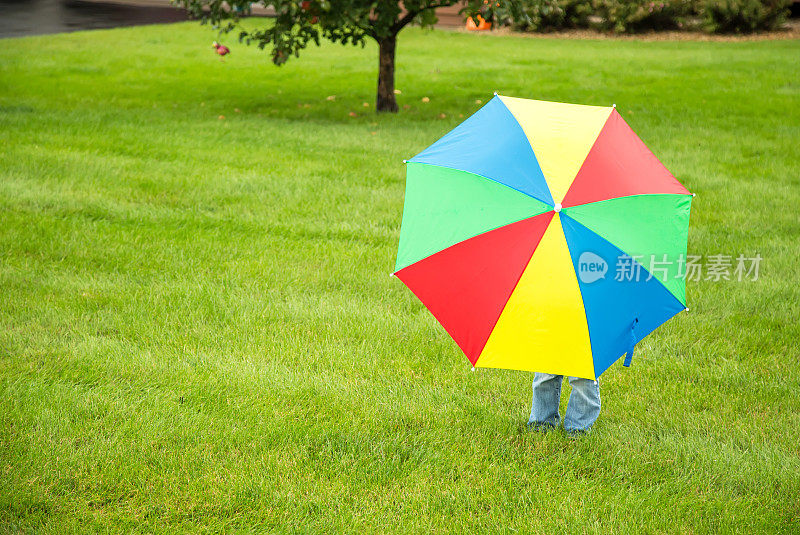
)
(631, 344)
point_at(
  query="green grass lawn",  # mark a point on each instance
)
(198, 331)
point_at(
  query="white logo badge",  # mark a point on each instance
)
(591, 267)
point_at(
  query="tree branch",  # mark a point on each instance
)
(411, 15)
(402, 21)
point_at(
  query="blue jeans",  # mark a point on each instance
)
(583, 407)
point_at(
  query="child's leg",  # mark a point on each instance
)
(546, 393)
(584, 404)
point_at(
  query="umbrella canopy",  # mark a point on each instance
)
(544, 237)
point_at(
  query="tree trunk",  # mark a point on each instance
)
(386, 100)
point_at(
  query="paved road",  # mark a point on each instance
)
(35, 17)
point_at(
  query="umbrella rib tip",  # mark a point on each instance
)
(405, 161)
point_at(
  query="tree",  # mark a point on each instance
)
(298, 23)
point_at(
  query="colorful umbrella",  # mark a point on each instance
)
(544, 237)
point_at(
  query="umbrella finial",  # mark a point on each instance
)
(495, 93)
(405, 161)
(614, 106)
